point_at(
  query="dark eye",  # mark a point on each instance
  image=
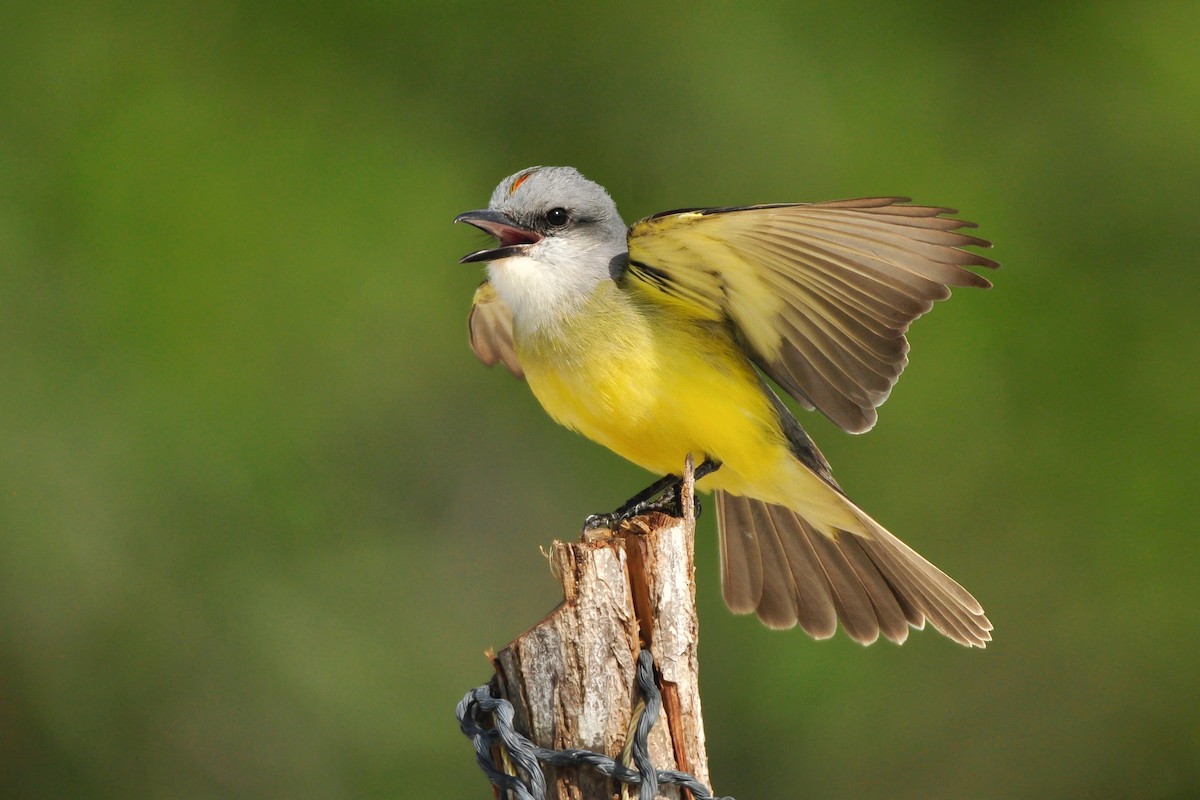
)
(557, 217)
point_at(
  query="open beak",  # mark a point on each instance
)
(513, 238)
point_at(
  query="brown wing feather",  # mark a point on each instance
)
(490, 324)
(820, 293)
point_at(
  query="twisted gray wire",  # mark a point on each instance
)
(478, 706)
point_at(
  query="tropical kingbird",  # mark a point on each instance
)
(646, 339)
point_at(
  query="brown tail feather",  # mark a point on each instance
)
(776, 564)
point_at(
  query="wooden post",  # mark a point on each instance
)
(570, 678)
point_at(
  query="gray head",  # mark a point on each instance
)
(542, 203)
(558, 235)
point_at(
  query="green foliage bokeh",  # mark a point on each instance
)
(261, 511)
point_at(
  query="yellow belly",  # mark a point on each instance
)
(641, 381)
(653, 385)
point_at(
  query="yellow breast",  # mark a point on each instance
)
(653, 386)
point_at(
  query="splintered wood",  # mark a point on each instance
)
(570, 678)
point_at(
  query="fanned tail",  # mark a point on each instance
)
(774, 563)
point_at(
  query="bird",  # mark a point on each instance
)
(657, 341)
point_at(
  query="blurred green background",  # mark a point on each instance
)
(261, 511)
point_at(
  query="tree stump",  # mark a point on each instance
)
(570, 678)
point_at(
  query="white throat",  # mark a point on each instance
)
(549, 283)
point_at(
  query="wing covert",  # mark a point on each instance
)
(491, 326)
(820, 293)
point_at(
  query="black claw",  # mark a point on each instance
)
(668, 503)
(597, 521)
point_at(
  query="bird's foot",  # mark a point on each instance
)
(601, 522)
(670, 503)
(664, 495)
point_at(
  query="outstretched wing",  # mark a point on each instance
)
(491, 325)
(821, 294)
